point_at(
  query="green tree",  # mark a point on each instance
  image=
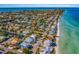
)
(26, 50)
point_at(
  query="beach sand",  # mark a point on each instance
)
(57, 39)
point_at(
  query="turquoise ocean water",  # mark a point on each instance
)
(69, 32)
(69, 28)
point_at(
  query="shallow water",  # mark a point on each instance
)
(69, 32)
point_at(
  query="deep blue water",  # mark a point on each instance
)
(36, 8)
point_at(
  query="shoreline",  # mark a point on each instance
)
(57, 39)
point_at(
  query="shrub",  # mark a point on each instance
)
(26, 50)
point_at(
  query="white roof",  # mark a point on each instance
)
(33, 36)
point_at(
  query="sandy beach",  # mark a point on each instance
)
(57, 39)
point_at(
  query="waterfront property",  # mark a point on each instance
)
(29, 31)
